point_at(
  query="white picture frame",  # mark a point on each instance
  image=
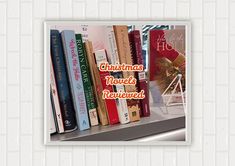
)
(187, 130)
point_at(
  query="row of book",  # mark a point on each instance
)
(77, 83)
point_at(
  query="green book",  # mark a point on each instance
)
(86, 78)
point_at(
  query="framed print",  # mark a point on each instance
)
(117, 82)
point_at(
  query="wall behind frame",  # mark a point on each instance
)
(21, 83)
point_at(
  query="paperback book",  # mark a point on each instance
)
(88, 90)
(66, 104)
(75, 78)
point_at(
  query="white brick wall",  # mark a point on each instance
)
(21, 83)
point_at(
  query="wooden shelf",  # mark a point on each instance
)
(158, 122)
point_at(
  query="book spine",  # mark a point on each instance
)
(113, 58)
(101, 107)
(55, 99)
(86, 81)
(100, 56)
(136, 49)
(53, 126)
(66, 104)
(75, 78)
(121, 103)
(124, 52)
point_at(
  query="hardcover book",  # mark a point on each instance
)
(75, 78)
(167, 62)
(111, 107)
(101, 107)
(124, 52)
(90, 100)
(66, 105)
(136, 50)
(113, 58)
(55, 100)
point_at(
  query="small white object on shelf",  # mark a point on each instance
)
(174, 98)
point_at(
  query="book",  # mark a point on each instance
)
(124, 52)
(55, 100)
(75, 78)
(66, 105)
(167, 62)
(101, 107)
(113, 58)
(89, 94)
(52, 127)
(111, 107)
(136, 50)
(93, 33)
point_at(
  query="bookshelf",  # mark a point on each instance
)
(158, 122)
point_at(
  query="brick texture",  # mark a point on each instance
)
(21, 83)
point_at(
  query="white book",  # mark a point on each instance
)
(52, 121)
(113, 58)
(55, 100)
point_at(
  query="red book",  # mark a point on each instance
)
(111, 106)
(136, 50)
(167, 60)
(167, 45)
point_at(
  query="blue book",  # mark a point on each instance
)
(75, 78)
(65, 100)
